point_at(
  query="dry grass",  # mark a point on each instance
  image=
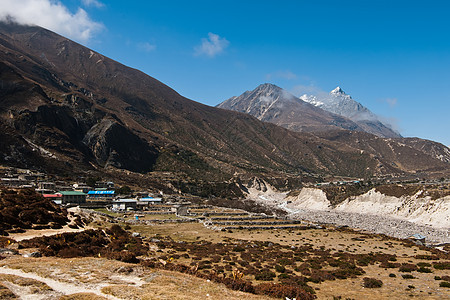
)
(82, 296)
(21, 281)
(167, 285)
(140, 283)
(393, 288)
(6, 293)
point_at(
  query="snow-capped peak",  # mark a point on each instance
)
(337, 91)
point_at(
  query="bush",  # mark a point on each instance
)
(389, 265)
(444, 284)
(283, 291)
(372, 283)
(27, 209)
(408, 276)
(442, 266)
(424, 270)
(318, 276)
(407, 268)
(265, 276)
(239, 285)
(392, 275)
(280, 269)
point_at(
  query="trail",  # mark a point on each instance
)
(58, 286)
(29, 234)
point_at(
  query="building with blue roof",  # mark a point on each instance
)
(100, 194)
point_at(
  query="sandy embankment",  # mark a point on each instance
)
(372, 211)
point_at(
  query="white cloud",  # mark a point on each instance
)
(286, 74)
(95, 3)
(391, 101)
(50, 14)
(146, 47)
(311, 89)
(212, 45)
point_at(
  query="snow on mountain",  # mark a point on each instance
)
(338, 102)
(271, 103)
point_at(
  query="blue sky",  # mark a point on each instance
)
(392, 56)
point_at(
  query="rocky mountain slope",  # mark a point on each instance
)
(338, 102)
(67, 108)
(270, 103)
(403, 153)
(85, 109)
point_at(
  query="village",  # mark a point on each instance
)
(96, 194)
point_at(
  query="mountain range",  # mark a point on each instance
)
(67, 109)
(336, 110)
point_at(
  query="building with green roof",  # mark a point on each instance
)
(72, 197)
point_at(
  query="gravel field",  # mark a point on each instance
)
(375, 224)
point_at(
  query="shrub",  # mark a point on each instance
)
(427, 257)
(444, 284)
(389, 265)
(318, 276)
(280, 269)
(424, 270)
(442, 266)
(372, 282)
(407, 267)
(284, 261)
(265, 276)
(392, 275)
(239, 285)
(408, 276)
(283, 291)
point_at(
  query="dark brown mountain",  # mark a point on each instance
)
(67, 107)
(406, 154)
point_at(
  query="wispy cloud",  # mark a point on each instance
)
(146, 47)
(286, 74)
(50, 14)
(94, 3)
(211, 46)
(390, 101)
(309, 89)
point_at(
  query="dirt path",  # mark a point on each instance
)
(58, 286)
(29, 234)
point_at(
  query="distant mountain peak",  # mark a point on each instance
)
(268, 88)
(340, 103)
(337, 91)
(267, 85)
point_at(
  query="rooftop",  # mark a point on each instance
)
(71, 193)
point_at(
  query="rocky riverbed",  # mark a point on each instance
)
(314, 207)
(373, 223)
